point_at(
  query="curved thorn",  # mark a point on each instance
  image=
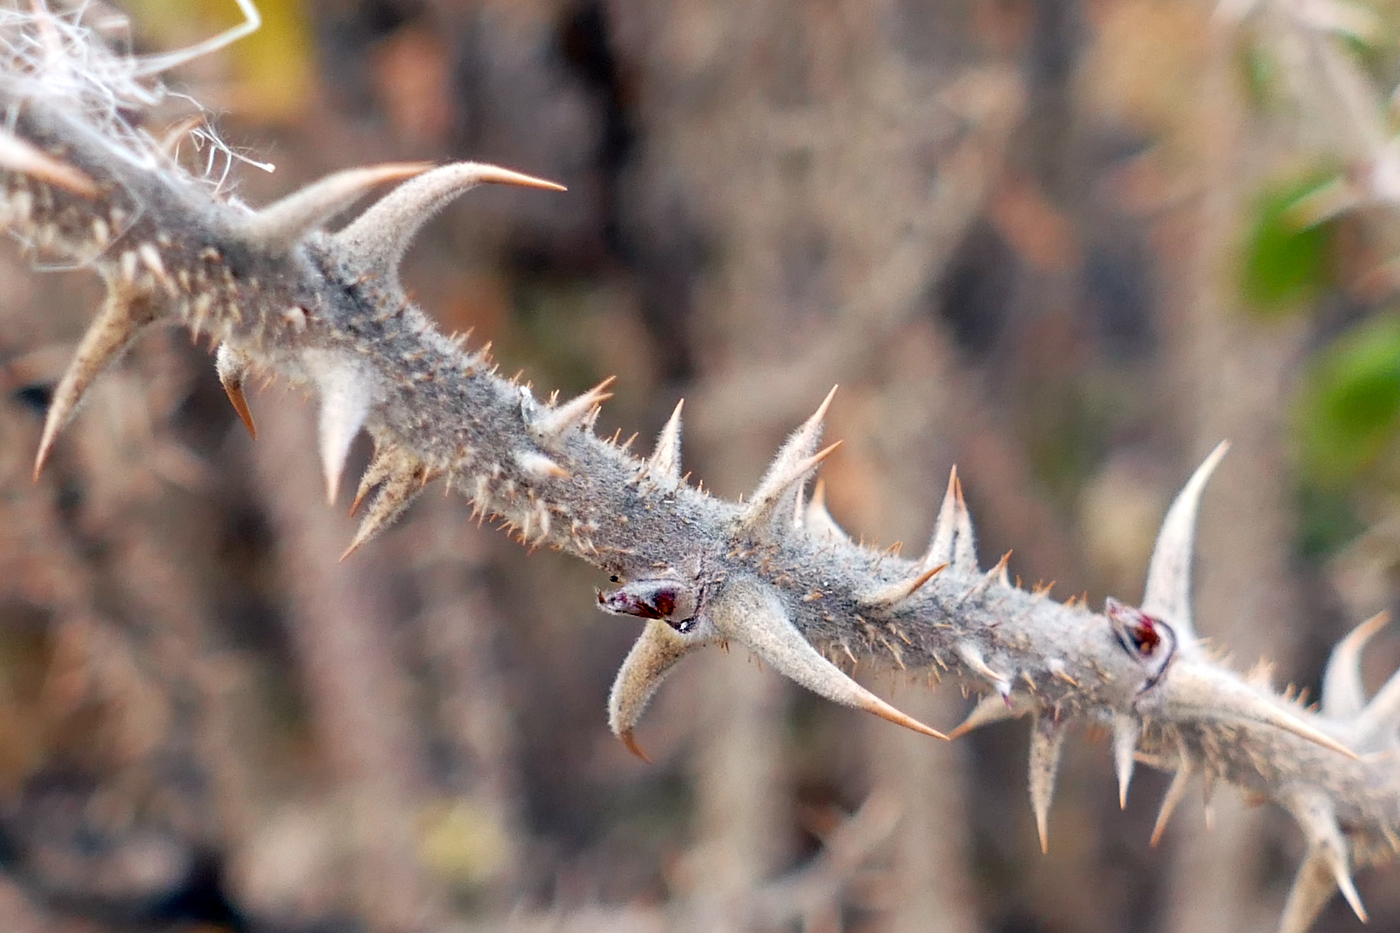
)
(232, 368)
(174, 134)
(973, 658)
(1168, 591)
(1382, 714)
(378, 237)
(1191, 690)
(653, 656)
(1343, 695)
(284, 222)
(749, 612)
(122, 317)
(630, 742)
(380, 466)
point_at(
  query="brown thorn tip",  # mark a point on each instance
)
(630, 741)
(234, 391)
(1372, 625)
(821, 455)
(41, 457)
(1316, 736)
(887, 712)
(504, 176)
(928, 575)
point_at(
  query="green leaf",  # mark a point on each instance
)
(1349, 408)
(1327, 521)
(1285, 262)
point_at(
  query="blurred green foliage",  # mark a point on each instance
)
(1286, 262)
(1349, 405)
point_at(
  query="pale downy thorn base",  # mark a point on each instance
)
(280, 295)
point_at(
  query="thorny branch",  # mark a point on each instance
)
(282, 297)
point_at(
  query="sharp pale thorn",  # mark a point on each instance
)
(1381, 716)
(629, 740)
(665, 462)
(972, 656)
(778, 488)
(284, 222)
(953, 541)
(232, 367)
(812, 462)
(1192, 690)
(553, 425)
(1047, 741)
(940, 547)
(1343, 695)
(381, 465)
(1290, 722)
(539, 467)
(1328, 848)
(1126, 732)
(994, 575)
(1175, 792)
(122, 317)
(964, 542)
(1348, 889)
(1168, 592)
(1003, 574)
(17, 155)
(1312, 889)
(403, 480)
(897, 592)
(782, 482)
(818, 520)
(379, 236)
(991, 709)
(748, 611)
(345, 400)
(819, 416)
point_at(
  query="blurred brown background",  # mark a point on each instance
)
(1058, 242)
